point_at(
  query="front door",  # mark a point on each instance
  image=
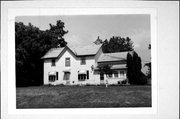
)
(67, 77)
(101, 78)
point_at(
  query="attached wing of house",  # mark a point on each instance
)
(79, 65)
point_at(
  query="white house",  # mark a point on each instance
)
(79, 65)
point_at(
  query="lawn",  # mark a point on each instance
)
(83, 96)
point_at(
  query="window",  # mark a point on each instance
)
(115, 74)
(66, 76)
(121, 73)
(110, 75)
(83, 61)
(101, 76)
(53, 63)
(53, 77)
(67, 62)
(81, 77)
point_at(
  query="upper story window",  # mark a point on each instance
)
(83, 61)
(67, 62)
(53, 62)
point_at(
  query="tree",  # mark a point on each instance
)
(26, 38)
(134, 66)
(105, 46)
(105, 69)
(149, 66)
(57, 32)
(31, 44)
(117, 44)
(148, 73)
(129, 66)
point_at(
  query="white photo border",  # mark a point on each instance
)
(14, 12)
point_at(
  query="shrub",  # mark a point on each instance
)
(143, 79)
(124, 82)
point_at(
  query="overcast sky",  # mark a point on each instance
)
(84, 30)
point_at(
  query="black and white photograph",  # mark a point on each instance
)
(89, 59)
(83, 61)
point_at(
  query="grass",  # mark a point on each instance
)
(83, 96)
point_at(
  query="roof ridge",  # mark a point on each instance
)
(117, 52)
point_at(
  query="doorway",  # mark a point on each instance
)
(101, 78)
(67, 77)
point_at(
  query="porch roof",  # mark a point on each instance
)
(116, 66)
(119, 66)
(108, 57)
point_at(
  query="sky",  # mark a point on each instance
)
(84, 29)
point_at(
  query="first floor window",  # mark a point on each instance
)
(81, 77)
(121, 73)
(101, 76)
(66, 76)
(52, 78)
(110, 75)
(115, 74)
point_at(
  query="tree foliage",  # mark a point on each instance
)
(57, 32)
(149, 66)
(134, 66)
(117, 44)
(148, 73)
(129, 66)
(31, 44)
(104, 69)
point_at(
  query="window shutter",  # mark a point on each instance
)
(56, 75)
(78, 76)
(49, 78)
(87, 74)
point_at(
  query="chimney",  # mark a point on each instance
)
(98, 37)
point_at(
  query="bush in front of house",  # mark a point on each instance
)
(124, 82)
(142, 80)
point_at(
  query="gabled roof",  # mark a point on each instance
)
(78, 51)
(85, 50)
(53, 53)
(117, 56)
